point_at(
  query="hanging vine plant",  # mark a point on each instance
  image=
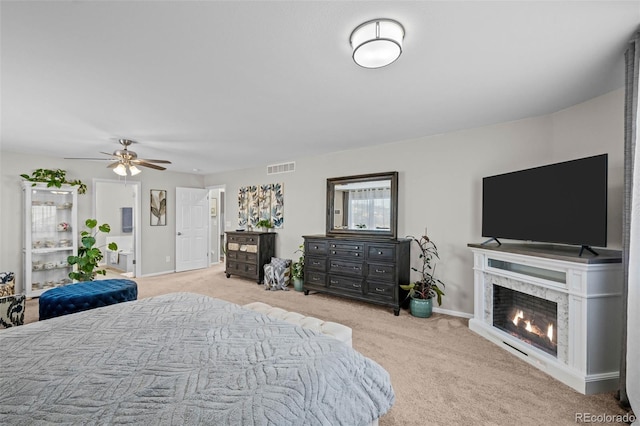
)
(54, 178)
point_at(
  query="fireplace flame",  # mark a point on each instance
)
(528, 326)
(531, 327)
(519, 315)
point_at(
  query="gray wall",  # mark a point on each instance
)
(441, 181)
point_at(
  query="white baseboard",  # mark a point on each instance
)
(158, 273)
(452, 313)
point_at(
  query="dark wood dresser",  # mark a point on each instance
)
(248, 252)
(368, 269)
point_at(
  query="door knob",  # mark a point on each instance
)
(179, 233)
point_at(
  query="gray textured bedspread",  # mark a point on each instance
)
(184, 359)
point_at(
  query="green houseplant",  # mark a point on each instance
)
(422, 291)
(297, 270)
(264, 224)
(54, 178)
(89, 257)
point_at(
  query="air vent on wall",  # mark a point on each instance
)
(281, 168)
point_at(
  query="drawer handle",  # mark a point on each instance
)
(357, 247)
(357, 285)
(315, 279)
(334, 282)
(380, 253)
(356, 268)
(380, 271)
(315, 247)
(356, 254)
(315, 263)
(381, 290)
(333, 245)
(333, 252)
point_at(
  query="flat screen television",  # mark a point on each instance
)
(562, 203)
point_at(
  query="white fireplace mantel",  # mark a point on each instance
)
(588, 293)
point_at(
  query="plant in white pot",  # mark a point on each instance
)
(265, 224)
(297, 270)
(422, 291)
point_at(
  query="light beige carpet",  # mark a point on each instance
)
(442, 373)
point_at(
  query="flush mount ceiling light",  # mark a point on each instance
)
(377, 43)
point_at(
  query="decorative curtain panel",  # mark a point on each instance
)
(370, 208)
(630, 365)
(257, 202)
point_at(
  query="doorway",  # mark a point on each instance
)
(216, 224)
(118, 204)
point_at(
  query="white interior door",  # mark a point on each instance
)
(192, 228)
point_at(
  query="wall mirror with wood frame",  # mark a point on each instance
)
(363, 205)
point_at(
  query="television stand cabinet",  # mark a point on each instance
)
(585, 293)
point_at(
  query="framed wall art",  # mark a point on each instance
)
(158, 216)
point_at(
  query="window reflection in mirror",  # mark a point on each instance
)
(364, 204)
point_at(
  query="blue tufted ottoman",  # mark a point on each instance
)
(84, 296)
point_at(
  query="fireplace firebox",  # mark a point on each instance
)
(529, 318)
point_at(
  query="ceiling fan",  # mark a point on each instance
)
(125, 161)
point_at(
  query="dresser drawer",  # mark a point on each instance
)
(381, 252)
(352, 285)
(346, 245)
(315, 263)
(242, 239)
(380, 291)
(315, 278)
(315, 247)
(232, 266)
(345, 254)
(344, 267)
(247, 257)
(240, 268)
(381, 272)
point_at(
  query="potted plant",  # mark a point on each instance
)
(54, 178)
(297, 270)
(89, 257)
(264, 224)
(422, 291)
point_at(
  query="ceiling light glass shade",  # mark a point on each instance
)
(134, 170)
(120, 170)
(377, 43)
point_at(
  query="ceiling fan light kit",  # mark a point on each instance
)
(377, 43)
(125, 162)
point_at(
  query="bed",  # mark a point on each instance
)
(183, 358)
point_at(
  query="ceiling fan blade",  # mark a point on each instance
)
(154, 161)
(110, 154)
(113, 165)
(145, 164)
(88, 158)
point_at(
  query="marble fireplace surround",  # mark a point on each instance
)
(561, 299)
(588, 294)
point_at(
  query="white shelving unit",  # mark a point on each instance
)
(50, 236)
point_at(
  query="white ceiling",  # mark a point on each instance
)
(220, 85)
